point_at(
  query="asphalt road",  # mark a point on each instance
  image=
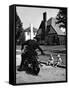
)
(46, 74)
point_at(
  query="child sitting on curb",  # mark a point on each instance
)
(51, 60)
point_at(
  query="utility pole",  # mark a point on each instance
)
(31, 31)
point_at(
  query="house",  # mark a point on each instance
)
(30, 32)
(50, 33)
(55, 36)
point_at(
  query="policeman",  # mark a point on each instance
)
(31, 46)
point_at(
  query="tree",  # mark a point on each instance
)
(62, 18)
(20, 36)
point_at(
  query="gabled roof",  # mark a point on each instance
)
(28, 29)
(52, 22)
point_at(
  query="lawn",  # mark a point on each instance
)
(54, 50)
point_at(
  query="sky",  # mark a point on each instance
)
(32, 15)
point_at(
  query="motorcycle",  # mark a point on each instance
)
(31, 63)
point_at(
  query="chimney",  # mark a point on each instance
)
(45, 23)
(44, 16)
(45, 20)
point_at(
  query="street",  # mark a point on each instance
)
(47, 73)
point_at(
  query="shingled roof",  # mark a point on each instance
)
(52, 22)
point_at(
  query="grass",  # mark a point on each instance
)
(54, 50)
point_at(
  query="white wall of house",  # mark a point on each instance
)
(31, 34)
(27, 35)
